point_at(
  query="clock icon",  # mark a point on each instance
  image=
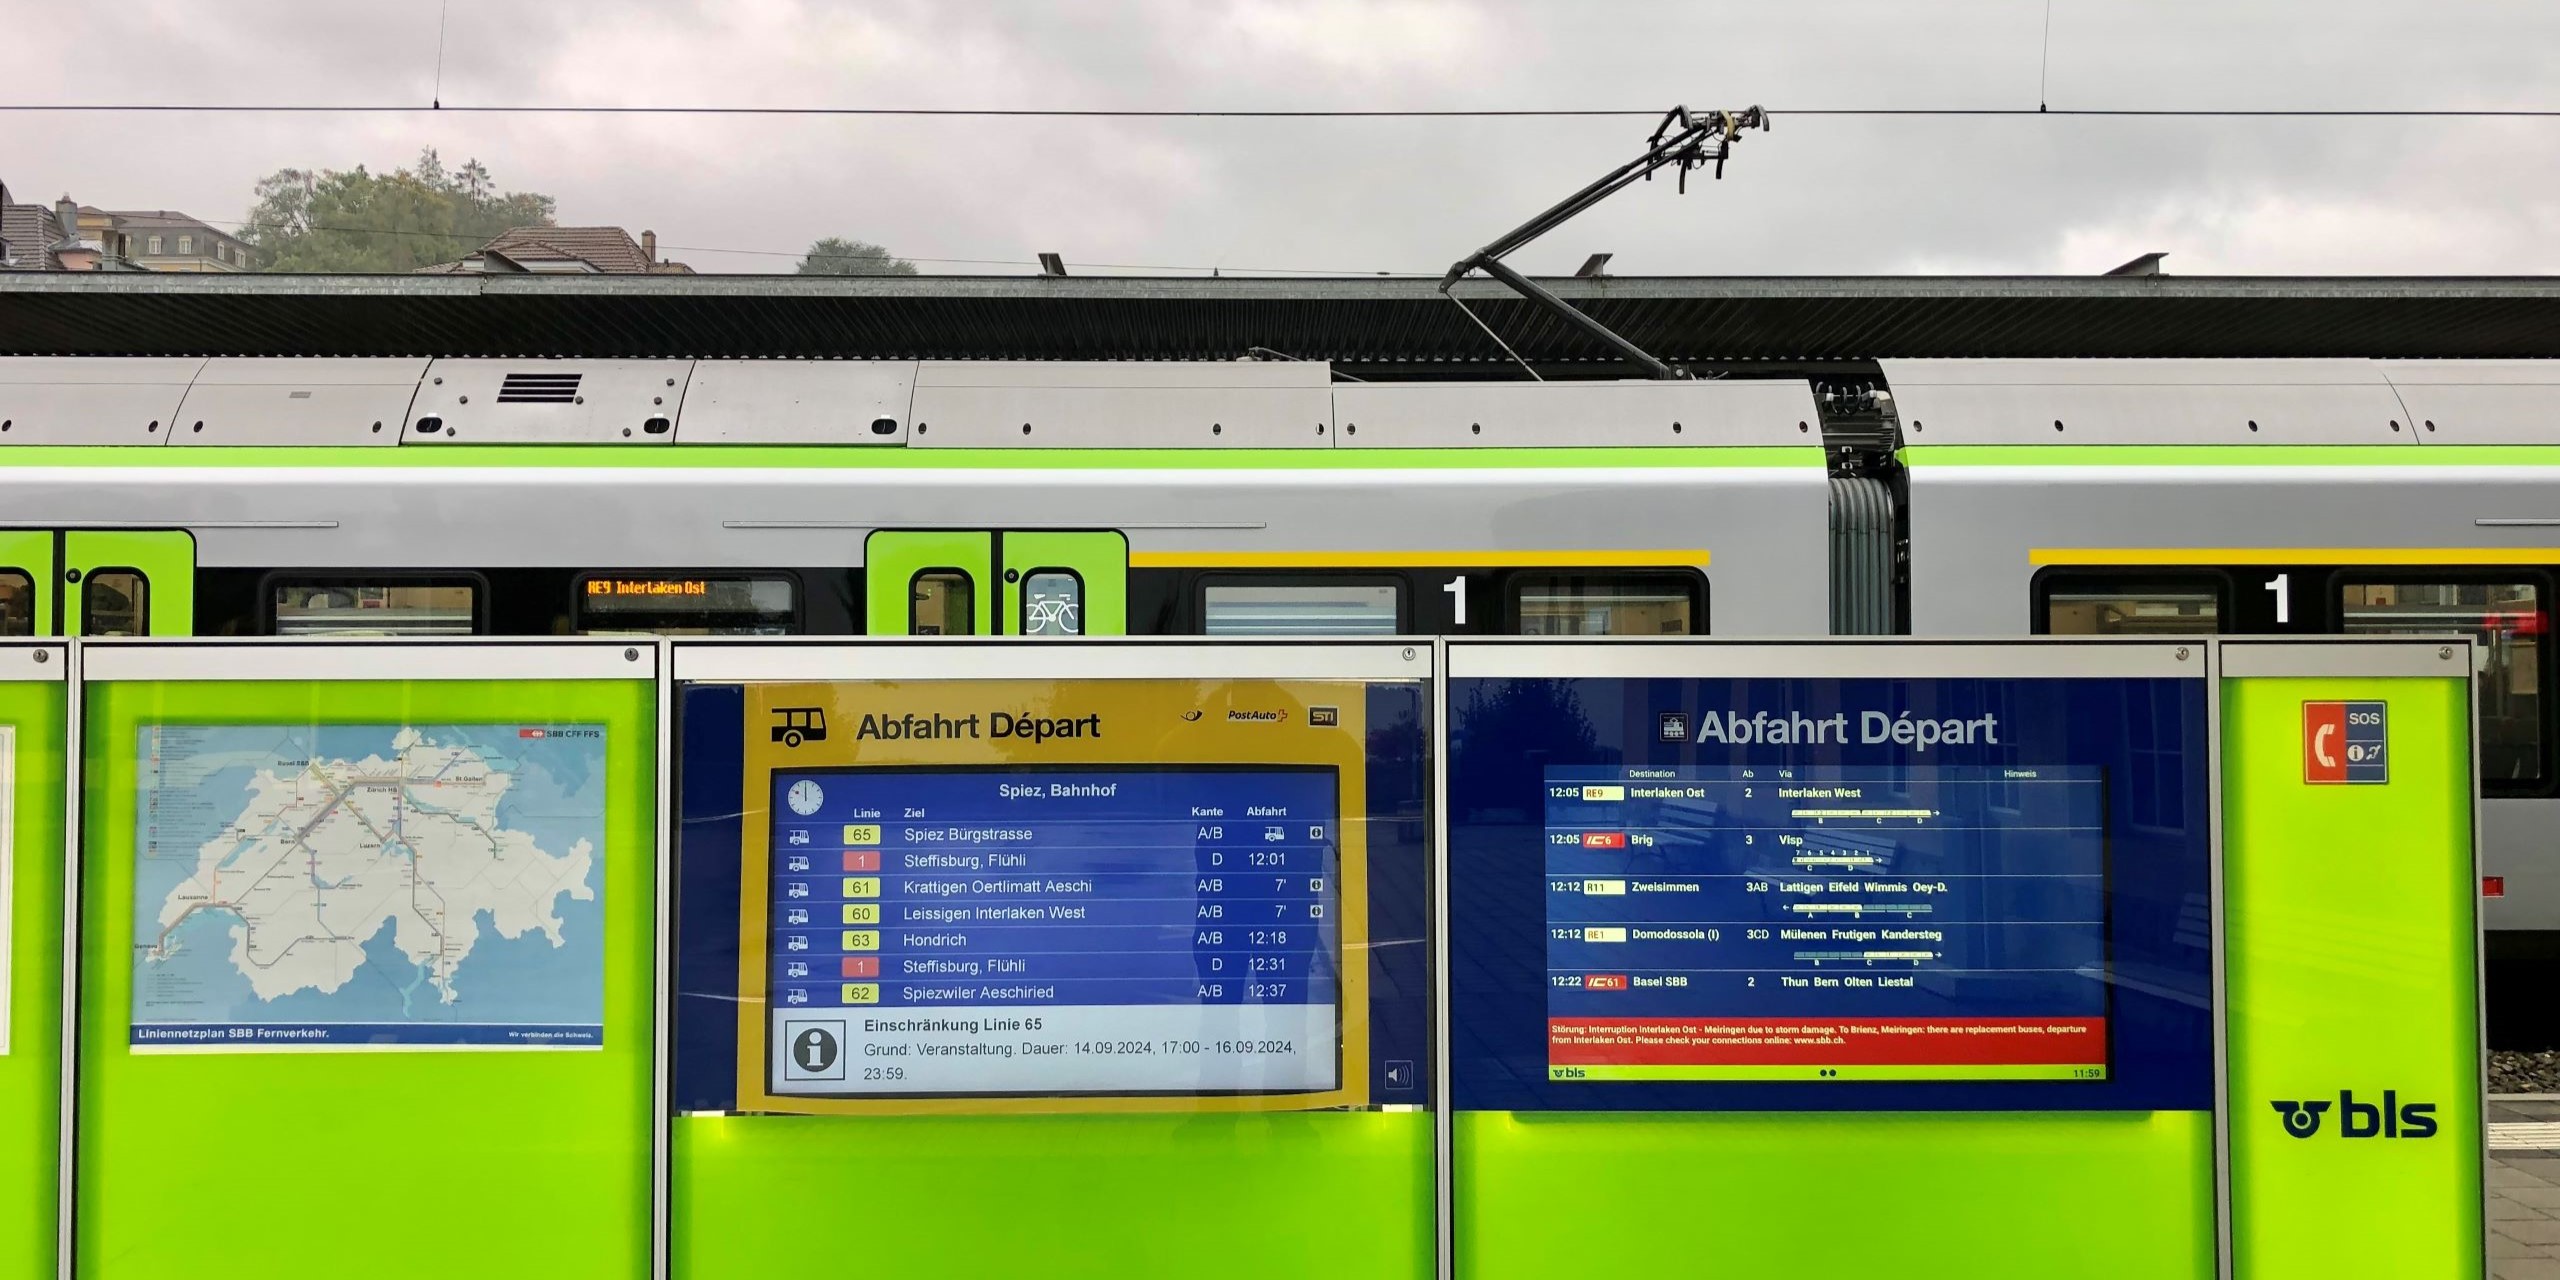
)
(805, 797)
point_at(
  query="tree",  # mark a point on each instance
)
(837, 256)
(361, 222)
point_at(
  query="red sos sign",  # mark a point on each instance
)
(2346, 742)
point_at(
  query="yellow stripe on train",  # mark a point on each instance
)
(2291, 555)
(1693, 557)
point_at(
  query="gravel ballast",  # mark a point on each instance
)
(2514, 1072)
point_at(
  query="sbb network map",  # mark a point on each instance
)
(369, 885)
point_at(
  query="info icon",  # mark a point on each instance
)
(1674, 727)
(812, 1049)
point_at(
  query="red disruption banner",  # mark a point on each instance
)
(1823, 1041)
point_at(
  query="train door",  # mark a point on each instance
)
(90, 582)
(118, 583)
(996, 583)
(26, 583)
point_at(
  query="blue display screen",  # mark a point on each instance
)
(721, 803)
(1818, 924)
(1787, 894)
(1054, 931)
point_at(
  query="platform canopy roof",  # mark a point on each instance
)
(1368, 327)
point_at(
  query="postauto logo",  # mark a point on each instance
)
(2389, 1118)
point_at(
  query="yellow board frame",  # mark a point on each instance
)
(1142, 723)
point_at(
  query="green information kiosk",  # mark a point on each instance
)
(1066, 959)
(2351, 951)
(1089, 958)
(1946, 959)
(365, 959)
(33, 686)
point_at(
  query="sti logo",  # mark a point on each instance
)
(1674, 727)
(2389, 1118)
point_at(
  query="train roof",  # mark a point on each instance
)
(1371, 328)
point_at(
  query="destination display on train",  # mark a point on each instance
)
(1054, 931)
(1772, 924)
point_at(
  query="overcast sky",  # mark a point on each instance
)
(1816, 196)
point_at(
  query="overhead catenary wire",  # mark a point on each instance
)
(1115, 113)
(2044, 61)
(441, 14)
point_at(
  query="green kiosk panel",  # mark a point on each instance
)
(366, 959)
(1830, 959)
(32, 728)
(1947, 959)
(1113, 966)
(2352, 936)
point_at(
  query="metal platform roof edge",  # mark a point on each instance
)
(1392, 325)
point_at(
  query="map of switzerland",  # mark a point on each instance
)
(329, 886)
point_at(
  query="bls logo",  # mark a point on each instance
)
(2301, 1119)
(2389, 1118)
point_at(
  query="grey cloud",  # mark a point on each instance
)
(1818, 195)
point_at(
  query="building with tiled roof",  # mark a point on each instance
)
(65, 236)
(28, 234)
(564, 251)
(166, 240)
(62, 237)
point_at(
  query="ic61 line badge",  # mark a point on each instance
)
(2344, 742)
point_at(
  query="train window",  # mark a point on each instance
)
(1302, 607)
(17, 603)
(2506, 621)
(115, 602)
(2094, 605)
(742, 604)
(941, 602)
(341, 606)
(1052, 603)
(1607, 604)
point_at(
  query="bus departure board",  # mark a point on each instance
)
(1825, 924)
(1052, 896)
(985, 932)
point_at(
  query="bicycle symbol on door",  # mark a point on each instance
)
(1052, 604)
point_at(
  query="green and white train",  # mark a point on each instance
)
(1934, 497)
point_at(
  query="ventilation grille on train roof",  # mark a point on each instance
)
(539, 388)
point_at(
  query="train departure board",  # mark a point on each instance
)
(1052, 931)
(1825, 924)
(1978, 891)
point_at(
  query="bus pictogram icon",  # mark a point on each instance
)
(795, 725)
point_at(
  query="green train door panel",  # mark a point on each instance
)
(27, 575)
(980, 583)
(128, 583)
(928, 583)
(1064, 584)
